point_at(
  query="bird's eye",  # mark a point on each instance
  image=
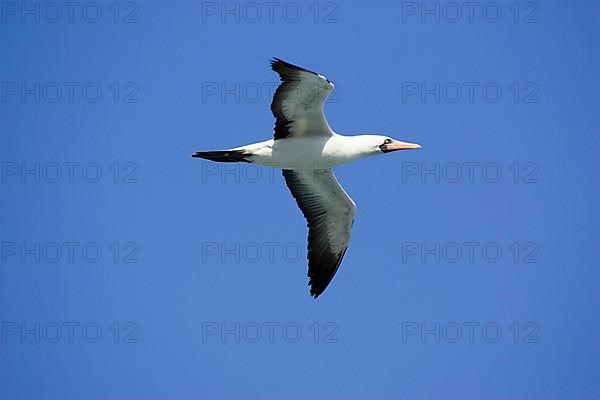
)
(387, 141)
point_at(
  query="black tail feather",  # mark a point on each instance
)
(223, 155)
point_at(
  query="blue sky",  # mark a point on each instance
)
(129, 270)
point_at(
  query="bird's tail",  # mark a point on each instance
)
(223, 155)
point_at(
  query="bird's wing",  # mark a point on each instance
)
(298, 101)
(329, 212)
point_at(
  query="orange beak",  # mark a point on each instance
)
(398, 145)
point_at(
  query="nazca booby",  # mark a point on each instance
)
(306, 148)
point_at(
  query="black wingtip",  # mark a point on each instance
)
(223, 155)
(274, 61)
(277, 63)
(317, 288)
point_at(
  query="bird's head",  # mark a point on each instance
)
(377, 144)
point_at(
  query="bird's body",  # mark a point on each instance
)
(305, 148)
(314, 152)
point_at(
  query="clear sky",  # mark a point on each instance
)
(129, 270)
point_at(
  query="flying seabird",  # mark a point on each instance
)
(306, 149)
